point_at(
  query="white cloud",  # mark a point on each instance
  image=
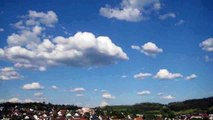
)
(107, 96)
(54, 87)
(91, 50)
(9, 73)
(38, 94)
(29, 48)
(95, 90)
(190, 77)
(149, 48)
(1, 29)
(78, 90)
(28, 38)
(168, 97)
(165, 74)
(145, 92)
(17, 100)
(142, 75)
(28, 101)
(131, 10)
(104, 103)
(124, 76)
(167, 15)
(34, 18)
(207, 45)
(37, 18)
(135, 47)
(79, 95)
(14, 100)
(32, 86)
(180, 22)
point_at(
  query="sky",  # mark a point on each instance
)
(105, 52)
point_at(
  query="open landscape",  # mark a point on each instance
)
(196, 109)
(106, 59)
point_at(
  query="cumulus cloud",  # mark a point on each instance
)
(29, 48)
(207, 45)
(104, 103)
(38, 94)
(54, 87)
(124, 76)
(78, 89)
(165, 74)
(17, 100)
(107, 96)
(145, 92)
(167, 15)
(84, 47)
(142, 75)
(167, 97)
(131, 10)
(32, 86)
(9, 73)
(190, 77)
(149, 49)
(180, 22)
(28, 101)
(28, 38)
(14, 100)
(135, 47)
(79, 95)
(37, 18)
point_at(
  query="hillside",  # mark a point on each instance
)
(204, 105)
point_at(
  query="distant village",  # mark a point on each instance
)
(52, 112)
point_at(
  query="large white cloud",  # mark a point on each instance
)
(142, 75)
(145, 92)
(28, 38)
(83, 46)
(107, 96)
(32, 86)
(9, 73)
(165, 74)
(29, 48)
(207, 45)
(131, 10)
(149, 48)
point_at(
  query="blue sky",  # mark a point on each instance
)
(93, 53)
